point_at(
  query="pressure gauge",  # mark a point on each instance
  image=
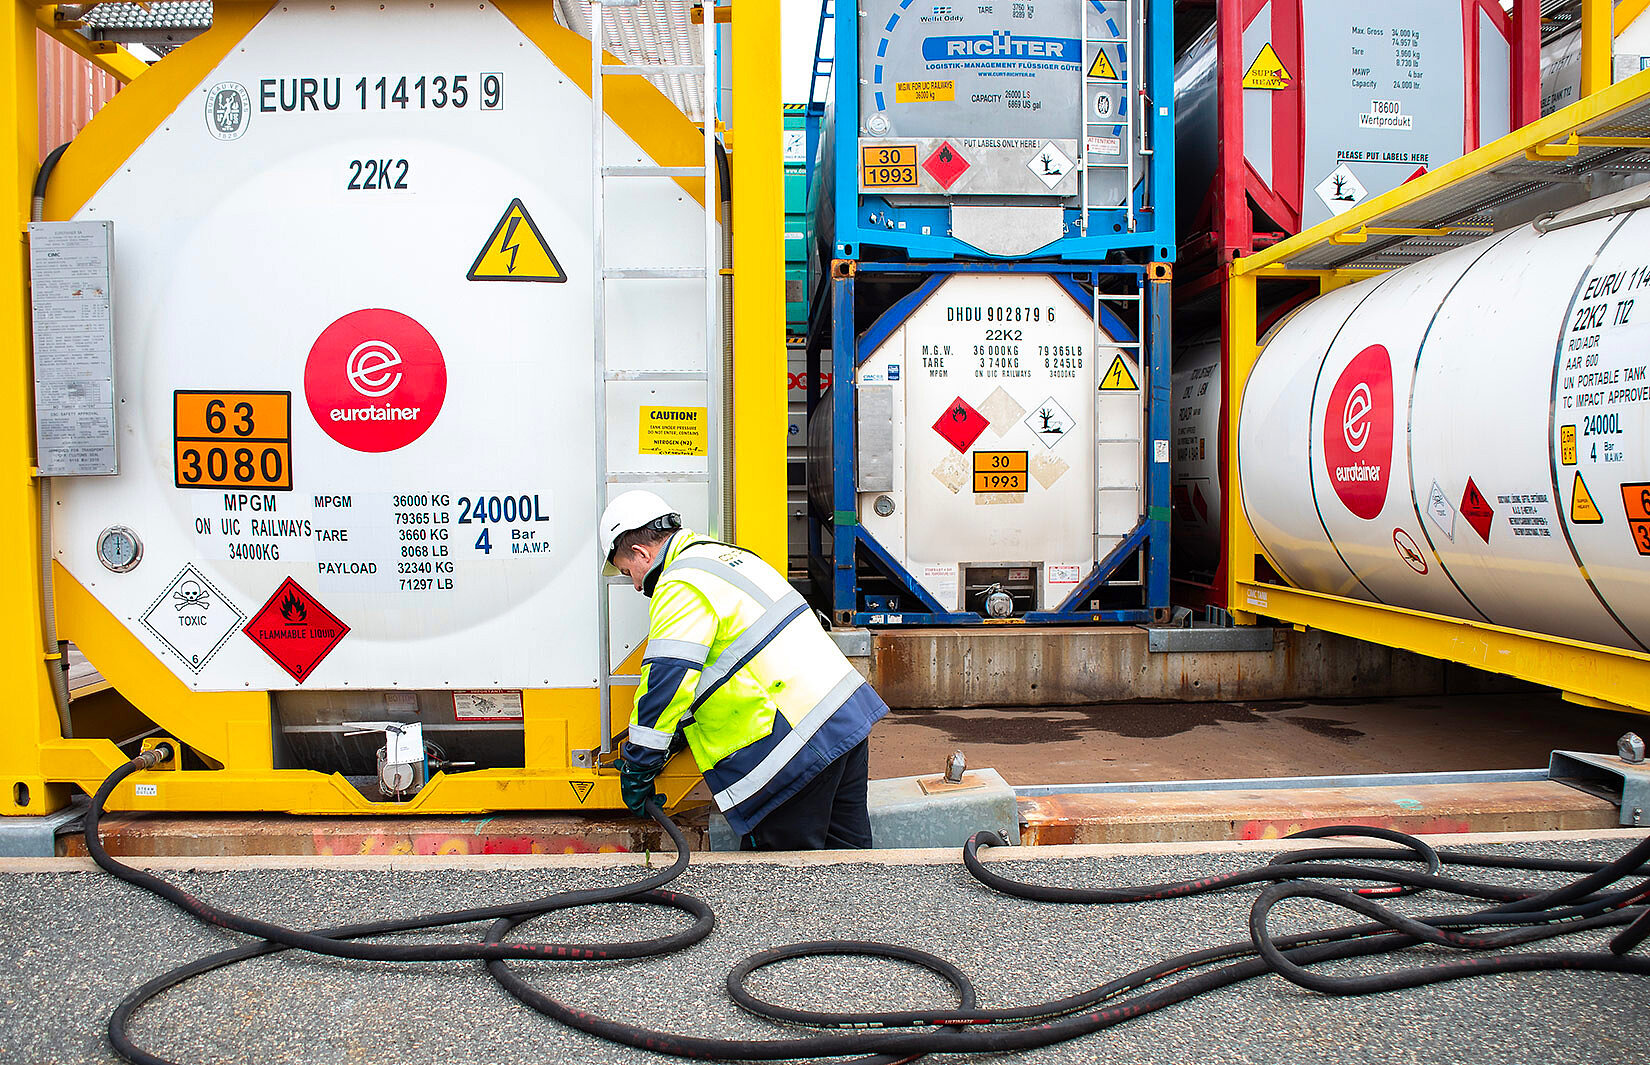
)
(119, 549)
(877, 125)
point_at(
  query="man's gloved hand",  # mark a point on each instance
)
(636, 786)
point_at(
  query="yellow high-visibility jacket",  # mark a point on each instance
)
(737, 661)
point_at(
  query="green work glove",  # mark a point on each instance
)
(636, 786)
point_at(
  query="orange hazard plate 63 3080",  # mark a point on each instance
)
(232, 440)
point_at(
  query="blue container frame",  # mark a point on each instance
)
(837, 575)
(855, 237)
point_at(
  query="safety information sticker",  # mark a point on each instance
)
(673, 431)
(487, 706)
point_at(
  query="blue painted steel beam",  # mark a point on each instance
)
(844, 504)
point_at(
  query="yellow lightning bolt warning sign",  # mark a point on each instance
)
(516, 251)
(1118, 378)
(1102, 68)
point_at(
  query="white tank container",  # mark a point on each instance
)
(1561, 61)
(1467, 435)
(1196, 480)
(326, 230)
(1009, 440)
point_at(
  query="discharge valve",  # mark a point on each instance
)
(402, 767)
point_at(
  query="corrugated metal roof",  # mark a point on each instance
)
(190, 15)
(649, 31)
(646, 31)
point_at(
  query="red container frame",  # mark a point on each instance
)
(1223, 224)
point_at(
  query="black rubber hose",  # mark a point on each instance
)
(344, 947)
(1528, 915)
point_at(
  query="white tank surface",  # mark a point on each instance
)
(1561, 60)
(1196, 479)
(1343, 101)
(1008, 442)
(353, 321)
(1467, 435)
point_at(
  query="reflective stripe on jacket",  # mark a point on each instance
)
(737, 661)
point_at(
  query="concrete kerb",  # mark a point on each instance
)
(786, 859)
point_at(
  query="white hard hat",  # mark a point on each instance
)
(630, 510)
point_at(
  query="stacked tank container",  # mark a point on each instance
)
(991, 215)
(1290, 112)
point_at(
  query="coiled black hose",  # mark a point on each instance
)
(1595, 900)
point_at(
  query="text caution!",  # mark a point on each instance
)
(673, 431)
(516, 251)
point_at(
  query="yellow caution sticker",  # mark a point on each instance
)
(581, 789)
(1267, 71)
(1583, 511)
(1102, 67)
(673, 431)
(1118, 378)
(516, 251)
(1567, 444)
(923, 92)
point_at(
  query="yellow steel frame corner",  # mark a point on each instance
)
(231, 732)
(1587, 673)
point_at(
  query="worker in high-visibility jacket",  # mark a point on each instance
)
(739, 666)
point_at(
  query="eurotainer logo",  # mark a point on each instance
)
(1357, 432)
(375, 380)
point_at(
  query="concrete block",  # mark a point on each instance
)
(35, 837)
(903, 815)
(1168, 641)
(854, 643)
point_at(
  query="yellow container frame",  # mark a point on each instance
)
(232, 732)
(1585, 673)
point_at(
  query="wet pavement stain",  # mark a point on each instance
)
(1322, 726)
(1072, 723)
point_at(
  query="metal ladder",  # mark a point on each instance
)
(823, 65)
(1142, 381)
(607, 482)
(1131, 33)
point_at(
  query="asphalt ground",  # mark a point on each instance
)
(76, 940)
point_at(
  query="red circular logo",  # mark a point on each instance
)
(375, 380)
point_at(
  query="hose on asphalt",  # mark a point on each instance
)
(1600, 897)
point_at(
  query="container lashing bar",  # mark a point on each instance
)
(709, 274)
